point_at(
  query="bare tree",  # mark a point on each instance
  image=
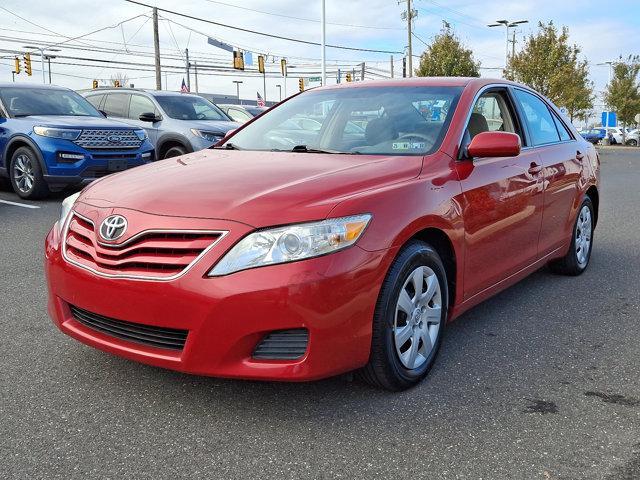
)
(122, 79)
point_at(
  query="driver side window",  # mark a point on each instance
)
(491, 113)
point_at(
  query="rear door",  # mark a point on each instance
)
(561, 157)
(503, 199)
(116, 105)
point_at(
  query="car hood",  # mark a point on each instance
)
(71, 121)
(255, 188)
(213, 125)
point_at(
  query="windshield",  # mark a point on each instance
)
(376, 120)
(22, 102)
(183, 107)
(255, 111)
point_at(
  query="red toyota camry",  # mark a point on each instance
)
(339, 231)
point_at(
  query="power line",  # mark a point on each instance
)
(302, 18)
(264, 34)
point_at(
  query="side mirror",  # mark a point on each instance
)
(149, 117)
(494, 144)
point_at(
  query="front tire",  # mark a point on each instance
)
(576, 261)
(26, 175)
(409, 319)
(174, 151)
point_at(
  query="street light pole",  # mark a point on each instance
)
(605, 140)
(324, 38)
(508, 24)
(238, 82)
(279, 91)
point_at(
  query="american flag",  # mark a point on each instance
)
(260, 101)
(184, 88)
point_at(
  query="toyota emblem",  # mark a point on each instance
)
(113, 227)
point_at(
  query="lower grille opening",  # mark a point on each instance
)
(283, 345)
(158, 337)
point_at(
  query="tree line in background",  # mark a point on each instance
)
(548, 64)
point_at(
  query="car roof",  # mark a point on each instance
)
(153, 93)
(31, 86)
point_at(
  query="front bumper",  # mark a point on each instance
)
(226, 317)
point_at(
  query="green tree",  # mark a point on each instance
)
(550, 65)
(623, 92)
(446, 56)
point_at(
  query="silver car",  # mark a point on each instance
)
(176, 123)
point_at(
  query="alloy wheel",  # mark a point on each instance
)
(23, 174)
(417, 317)
(584, 229)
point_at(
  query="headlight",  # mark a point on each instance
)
(209, 136)
(290, 243)
(141, 134)
(67, 205)
(64, 133)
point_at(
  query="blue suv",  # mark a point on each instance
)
(51, 138)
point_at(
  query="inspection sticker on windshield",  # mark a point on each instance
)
(408, 145)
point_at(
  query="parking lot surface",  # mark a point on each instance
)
(542, 381)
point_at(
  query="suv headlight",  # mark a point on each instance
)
(64, 133)
(65, 210)
(141, 134)
(209, 136)
(291, 243)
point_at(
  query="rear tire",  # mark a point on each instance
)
(175, 151)
(632, 143)
(576, 261)
(409, 321)
(26, 176)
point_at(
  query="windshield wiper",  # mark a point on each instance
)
(305, 149)
(229, 146)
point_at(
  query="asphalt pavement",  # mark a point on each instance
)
(540, 382)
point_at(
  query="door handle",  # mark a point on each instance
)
(534, 168)
(579, 155)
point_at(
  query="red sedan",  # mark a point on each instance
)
(339, 231)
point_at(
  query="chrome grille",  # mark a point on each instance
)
(108, 139)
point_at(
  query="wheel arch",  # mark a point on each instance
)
(594, 196)
(168, 141)
(22, 141)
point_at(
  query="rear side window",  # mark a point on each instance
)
(95, 100)
(542, 127)
(562, 130)
(117, 104)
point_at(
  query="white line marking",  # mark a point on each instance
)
(16, 204)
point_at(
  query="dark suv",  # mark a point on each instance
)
(177, 123)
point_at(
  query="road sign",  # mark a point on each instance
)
(315, 79)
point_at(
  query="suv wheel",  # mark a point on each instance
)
(174, 151)
(409, 319)
(26, 175)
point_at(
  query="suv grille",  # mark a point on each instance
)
(92, 139)
(154, 255)
(170, 338)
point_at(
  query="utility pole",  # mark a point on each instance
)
(238, 82)
(195, 72)
(362, 71)
(49, 67)
(186, 61)
(279, 91)
(409, 15)
(391, 60)
(324, 38)
(156, 48)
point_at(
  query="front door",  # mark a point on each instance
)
(503, 200)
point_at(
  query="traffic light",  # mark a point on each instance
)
(238, 60)
(261, 64)
(17, 67)
(27, 63)
(283, 66)
(95, 84)
(301, 84)
(116, 83)
(348, 77)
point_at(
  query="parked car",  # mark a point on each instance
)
(593, 135)
(177, 123)
(51, 137)
(241, 113)
(275, 259)
(615, 135)
(633, 138)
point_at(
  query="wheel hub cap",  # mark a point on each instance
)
(417, 317)
(584, 229)
(23, 173)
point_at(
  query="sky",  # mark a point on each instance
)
(603, 30)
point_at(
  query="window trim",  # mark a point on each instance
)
(127, 94)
